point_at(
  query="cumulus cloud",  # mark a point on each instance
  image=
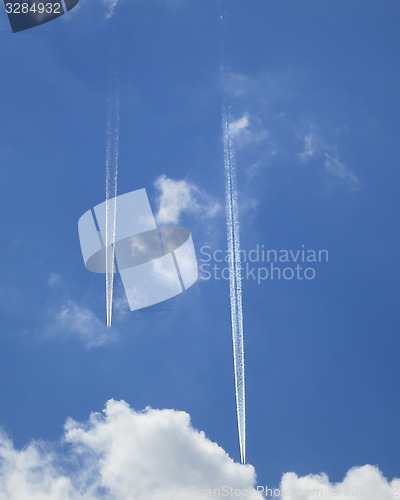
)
(73, 319)
(121, 454)
(363, 483)
(31, 474)
(179, 196)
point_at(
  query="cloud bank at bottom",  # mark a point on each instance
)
(121, 454)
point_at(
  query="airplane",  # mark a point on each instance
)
(26, 14)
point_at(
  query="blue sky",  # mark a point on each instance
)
(316, 85)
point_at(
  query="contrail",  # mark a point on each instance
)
(112, 160)
(234, 260)
(235, 281)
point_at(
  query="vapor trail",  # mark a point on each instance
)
(233, 243)
(235, 280)
(112, 160)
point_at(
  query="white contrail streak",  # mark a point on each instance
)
(235, 280)
(112, 160)
(233, 241)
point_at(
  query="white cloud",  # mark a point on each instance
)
(110, 6)
(179, 196)
(31, 474)
(73, 319)
(239, 125)
(338, 169)
(54, 280)
(266, 132)
(123, 455)
(310, 147)
(315, 146)
(363, 483)
(247, 130)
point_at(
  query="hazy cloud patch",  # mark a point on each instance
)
(338, 169)
(70, 319)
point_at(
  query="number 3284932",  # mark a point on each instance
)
(35, 8)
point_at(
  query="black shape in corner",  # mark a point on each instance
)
(26, 14)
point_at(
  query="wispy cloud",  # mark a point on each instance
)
(176, 197)
(267, 132)
(110, 7)
(54, 280)
(311, 144)
(71, 319)
(314, 147)
(336, 168)
(247, 130)
(239, 125)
